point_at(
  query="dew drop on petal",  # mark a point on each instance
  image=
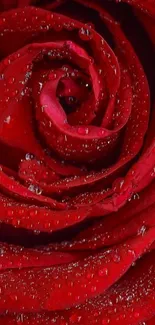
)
(35, 189)
(11, 80)
(58, 27)
(2, 251)
(153, 172)
(122, 316)
(117, 184)
(131, 252)
(75, 318)
(136, 196)
(7, 119)
(103, 272)
(20, 319)
(52, 76)
(105, 321)
(13, 93)
(100, 71)
(142, 230)
(85, 34)
(96, 314)
(10, 213)
(29, 156)
(13, 297)
(116, 258)
(136, 315)
(6, 62)
(101, 132)
(93, 289)
(90, 276)
(83, 131)
(71, 100)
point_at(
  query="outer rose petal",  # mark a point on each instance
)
(85, 279)
(130, 301)
(18, 257)
(134, 217)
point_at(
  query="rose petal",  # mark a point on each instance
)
(89, 282)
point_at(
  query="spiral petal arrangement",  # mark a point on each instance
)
(77, 165)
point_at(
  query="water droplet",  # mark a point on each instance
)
(85, 34)
(153, 172)
(75, 318)
(49, 17)
(131, 252)
(13, 93)
(10, 213)
(29, 156)
(7, 119)
(136, 196)
(38, 190)
(2, 20)
(101, 132)
(90, 276)
(83, 130)
(40, 85)
(93, 289)
(122, 316)
(20, 319)
(71, 100)
(105, 321)
(96, 313)
(2, 252)
(65, 68)
(21, 212)
(116, 258)
(14, 297)
(136, 315)
(103, 272)
(52, 76)
(11, 80)
(117, 184)
(90, 25)
(142, 230)
(58, 27)
(35, 189)
(6, 61)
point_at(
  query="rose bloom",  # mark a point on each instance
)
(77, 162)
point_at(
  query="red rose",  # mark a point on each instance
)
(77, 164)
